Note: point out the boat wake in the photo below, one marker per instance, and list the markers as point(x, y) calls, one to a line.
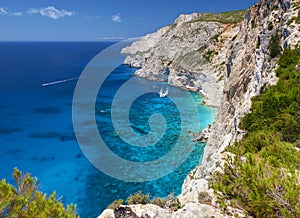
point(59, 81)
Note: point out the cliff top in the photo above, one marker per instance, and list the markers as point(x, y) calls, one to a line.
point(222, 18)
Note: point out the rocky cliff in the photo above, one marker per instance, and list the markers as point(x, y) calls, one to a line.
point(182, 54)
point(229, 63)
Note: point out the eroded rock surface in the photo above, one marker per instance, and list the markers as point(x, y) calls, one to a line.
point(229, 64)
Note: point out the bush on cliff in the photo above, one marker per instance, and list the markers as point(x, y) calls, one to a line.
point(170, 202)
point(274, 45)
point(26, 201)
point(263, 178)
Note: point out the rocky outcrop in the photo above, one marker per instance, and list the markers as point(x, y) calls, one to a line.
point(249, 68)
point(237, 69)
point(181, 54)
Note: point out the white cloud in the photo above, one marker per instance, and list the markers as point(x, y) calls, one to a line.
point(51, 12)
point(3, 11)
point(113, 38)
point(116, 18)
point(17, 13)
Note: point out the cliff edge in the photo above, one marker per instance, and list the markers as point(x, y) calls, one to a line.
point(229, 63)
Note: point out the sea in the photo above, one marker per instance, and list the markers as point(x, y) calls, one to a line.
point(37, 133)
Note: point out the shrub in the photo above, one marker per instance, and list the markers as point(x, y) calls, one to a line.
point(138, 198)
point(263, 178)
point(224, 17)
point(170, 202)
point(208, 55)
point(26, 201)
point(204, 198)
point(270, 26)
point(260, 188)
point(274, 45)
point(116, 204)
point(161, 202)
point(258, 42)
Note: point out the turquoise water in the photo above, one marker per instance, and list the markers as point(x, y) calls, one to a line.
point(37, 136)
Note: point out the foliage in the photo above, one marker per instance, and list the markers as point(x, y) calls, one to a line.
point(170, 202)
point(161, 202)
point(260, 188)
point(296, 19)
point(208, 56)
point(26, 201)
point(224, 17)
point(263, 177)
point(116, 204)
point(253, 24)
point(204, 198)
point(258, 42)
point(270, 26)
point(138, 198)
point(216, 37)
point(274, 45)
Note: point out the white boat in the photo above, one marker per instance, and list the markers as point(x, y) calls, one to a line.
point(163, 94)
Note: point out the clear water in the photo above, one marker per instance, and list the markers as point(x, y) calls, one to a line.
point(36, 132)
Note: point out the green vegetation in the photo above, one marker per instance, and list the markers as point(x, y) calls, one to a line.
point(224, 17)
point(253, 23)
point(270, 26)
point(170, 202)
point(263, 177)
point(204, 198)
point(216, 37)
point(258, 42)
point(138, 198)
point(26, 201)
point(209, 54)
point(274, 45)
point(296, 19)
point(116, 204)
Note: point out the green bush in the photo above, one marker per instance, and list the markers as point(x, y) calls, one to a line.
point(277, 109)
point(270, 26)
point(204, 198)
point(264, 176)
point(170, 202)
point(274, 45)
point(26, 201)
point(258, 42)
point(224, 17)
point(138, 198)
point(161, 202)
point(260, 188)
point(116, 204)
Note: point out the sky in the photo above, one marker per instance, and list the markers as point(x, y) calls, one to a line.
point(90, 20)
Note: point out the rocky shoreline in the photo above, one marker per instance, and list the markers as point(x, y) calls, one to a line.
point(228, 64)
point(179, 54)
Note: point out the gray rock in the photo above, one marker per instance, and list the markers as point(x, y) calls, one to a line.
point(178, 54)
point(229, 80)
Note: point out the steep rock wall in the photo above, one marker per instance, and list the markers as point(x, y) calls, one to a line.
point(249, 68)
point(241, 67)
point(181, 54)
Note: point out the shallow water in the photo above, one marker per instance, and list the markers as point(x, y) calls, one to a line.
point(37, 136)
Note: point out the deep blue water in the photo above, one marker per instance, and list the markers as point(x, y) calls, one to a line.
point(37, 136)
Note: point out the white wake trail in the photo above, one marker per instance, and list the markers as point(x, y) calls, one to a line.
point(59, 81)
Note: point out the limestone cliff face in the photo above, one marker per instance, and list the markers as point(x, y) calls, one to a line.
point(239, 65)
point(180, 55)
point(249, 67)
